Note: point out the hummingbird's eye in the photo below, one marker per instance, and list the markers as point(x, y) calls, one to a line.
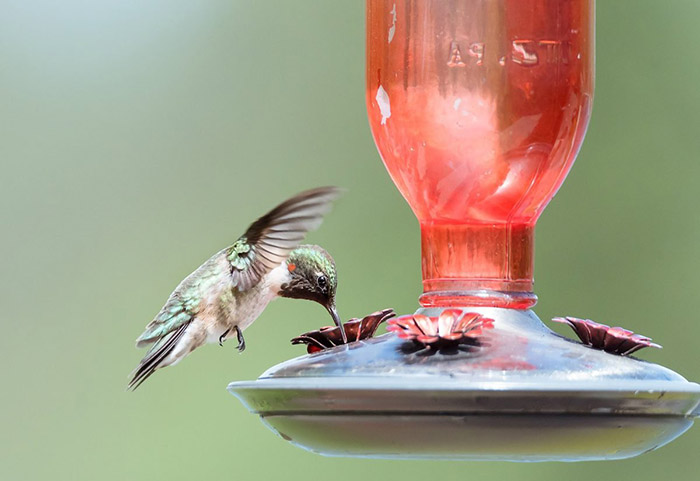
point(322, 282)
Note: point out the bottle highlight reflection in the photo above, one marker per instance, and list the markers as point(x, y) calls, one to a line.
point(478, 109)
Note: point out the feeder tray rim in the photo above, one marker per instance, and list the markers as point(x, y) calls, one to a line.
point(443, 398)
point(381, 383)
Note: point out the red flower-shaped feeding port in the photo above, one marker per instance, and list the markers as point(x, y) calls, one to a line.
point(614, 340)
point(355, 330)
point(451, 328)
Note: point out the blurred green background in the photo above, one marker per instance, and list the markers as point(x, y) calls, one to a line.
point(139, 137)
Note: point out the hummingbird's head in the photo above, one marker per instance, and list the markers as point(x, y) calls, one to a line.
point(312, 276)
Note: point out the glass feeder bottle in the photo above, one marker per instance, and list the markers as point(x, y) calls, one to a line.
point(478, 109)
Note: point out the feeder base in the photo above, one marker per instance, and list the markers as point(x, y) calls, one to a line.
point(523, 394)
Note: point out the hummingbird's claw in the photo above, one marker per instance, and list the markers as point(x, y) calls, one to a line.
point(222, 337)
point(241, 341)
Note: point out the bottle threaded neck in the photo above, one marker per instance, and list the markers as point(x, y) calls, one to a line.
point(477, 264)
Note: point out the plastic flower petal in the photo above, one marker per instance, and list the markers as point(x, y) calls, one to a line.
point(355, 330)
point(450, 328)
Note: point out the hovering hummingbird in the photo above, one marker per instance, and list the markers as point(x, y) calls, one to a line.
point(231, 289)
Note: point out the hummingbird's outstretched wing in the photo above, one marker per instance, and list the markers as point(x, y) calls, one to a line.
point(270, 239)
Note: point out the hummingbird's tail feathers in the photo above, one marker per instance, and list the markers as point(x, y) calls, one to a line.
point(270, 239)
point(154, 358)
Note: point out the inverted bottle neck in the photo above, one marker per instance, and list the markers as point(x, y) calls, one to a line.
point(475, 264)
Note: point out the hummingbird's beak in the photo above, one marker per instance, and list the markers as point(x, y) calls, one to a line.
point(336, 318)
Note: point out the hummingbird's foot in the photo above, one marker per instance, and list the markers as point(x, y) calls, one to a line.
point(241, 341)
point(222, 337)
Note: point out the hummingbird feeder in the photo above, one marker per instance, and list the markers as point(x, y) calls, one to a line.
point(478, 109)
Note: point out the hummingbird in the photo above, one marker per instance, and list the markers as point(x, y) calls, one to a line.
point(229, 291)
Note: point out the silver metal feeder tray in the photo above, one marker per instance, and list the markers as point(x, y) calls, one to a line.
point(524, 394)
